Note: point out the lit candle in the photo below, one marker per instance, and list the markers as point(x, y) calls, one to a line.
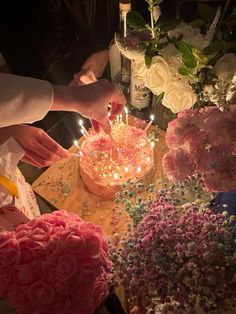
point(152, 145)
point(84, 134)
point(148, 158)
point(126, 116)
point(116, 176)
point(82, 127)
point(152, 117)
point(138, 169)
point(76, 143)
point(126, 169)
point(78, 148)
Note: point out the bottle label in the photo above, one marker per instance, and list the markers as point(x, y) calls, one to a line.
point(140, 96)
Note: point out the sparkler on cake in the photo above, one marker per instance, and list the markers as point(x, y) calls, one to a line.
point(108, 162)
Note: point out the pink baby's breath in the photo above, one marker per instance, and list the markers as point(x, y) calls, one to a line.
point(178, 256)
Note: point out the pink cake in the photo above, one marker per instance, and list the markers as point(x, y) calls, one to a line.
point(108, 162)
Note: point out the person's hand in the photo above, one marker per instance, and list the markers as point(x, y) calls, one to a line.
point(40, 149)
point(91, 101)
point(96, 63)
point(84, 77)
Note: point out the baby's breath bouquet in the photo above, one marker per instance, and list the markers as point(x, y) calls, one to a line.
point(184, 64)
point(177, 257)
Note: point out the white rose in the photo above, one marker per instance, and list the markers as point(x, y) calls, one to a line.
point(169, 51)
point(226, 66)
point(158, 75)
point(190, 34)
point(179, 96)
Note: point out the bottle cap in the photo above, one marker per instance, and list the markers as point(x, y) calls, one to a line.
point(125, 5)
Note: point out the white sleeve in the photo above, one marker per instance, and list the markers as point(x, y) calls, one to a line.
point(23, 99)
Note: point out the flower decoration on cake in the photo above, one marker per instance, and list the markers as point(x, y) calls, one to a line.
point(177, 257)
point(203, 142)
point(56, 263)
point(108, 161)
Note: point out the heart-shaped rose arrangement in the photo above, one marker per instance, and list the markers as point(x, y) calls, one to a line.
point(55, 263)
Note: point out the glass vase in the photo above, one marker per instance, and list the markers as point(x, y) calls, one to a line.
point(162, 114)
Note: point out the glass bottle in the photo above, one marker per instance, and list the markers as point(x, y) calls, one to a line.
point(140, 95)
point(119, 65)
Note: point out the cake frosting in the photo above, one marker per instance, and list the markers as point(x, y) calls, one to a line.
point(108, 162)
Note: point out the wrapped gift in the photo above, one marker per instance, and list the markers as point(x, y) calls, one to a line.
point(17, 200)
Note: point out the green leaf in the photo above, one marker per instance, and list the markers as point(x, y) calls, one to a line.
point(188, 58)
point(183, 71)
point(148, 57)
point(206, 12)
point(135, 20)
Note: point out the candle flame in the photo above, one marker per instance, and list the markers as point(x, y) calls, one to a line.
point(148, 158)
point(152, 117)
point(81, 122)
point(139, 169)
point(152, 144)
point(126, 110)
point(116, 176)
point(126, 169)
point(76, 143)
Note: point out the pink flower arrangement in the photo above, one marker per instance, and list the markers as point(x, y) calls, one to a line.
point(203, 142)
point(179, 257)
point(56, 263)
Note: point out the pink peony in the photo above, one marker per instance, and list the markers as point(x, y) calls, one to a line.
point(58, 262)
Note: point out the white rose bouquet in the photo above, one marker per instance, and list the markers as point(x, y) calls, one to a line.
point(185, 65)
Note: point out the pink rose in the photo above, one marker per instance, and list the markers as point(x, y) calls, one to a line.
point(52, 258)
point(25, 274)
point(75, 244)
point(66, 268)
point(93, 244)
point(41, 293)
point(63, 306)
point(19, 300)
point(177, 165)
point(7, 279)
point(9, 252)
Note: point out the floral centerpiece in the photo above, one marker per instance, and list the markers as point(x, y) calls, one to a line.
point(184, 65)
point(56, 263)
point(203, 142)
point(178, 257)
